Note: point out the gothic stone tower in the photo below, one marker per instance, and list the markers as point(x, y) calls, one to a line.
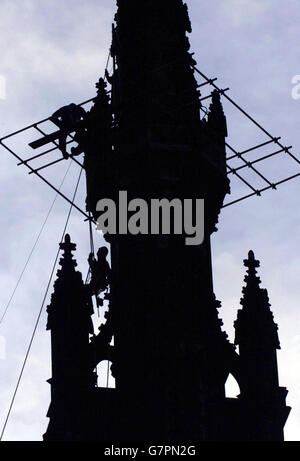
point(256, 335)
point(170, 357)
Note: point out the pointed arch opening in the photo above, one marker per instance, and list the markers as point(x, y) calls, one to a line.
point(232, 389)
point(105, 378)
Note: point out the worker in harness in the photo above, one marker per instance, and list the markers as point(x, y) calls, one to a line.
point(68, 118)
point(100, 271)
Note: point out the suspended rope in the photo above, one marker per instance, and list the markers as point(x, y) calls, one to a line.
point(92, 246)
point(34, 246)
point(91, 236)
point(106, 67)
point(40, 313)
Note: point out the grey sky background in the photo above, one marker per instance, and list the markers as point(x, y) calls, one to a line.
point(52, 53)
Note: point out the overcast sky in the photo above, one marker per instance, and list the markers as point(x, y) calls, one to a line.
point(52, 53)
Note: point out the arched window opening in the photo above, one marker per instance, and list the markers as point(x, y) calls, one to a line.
point(232, 389)
point(105, 378)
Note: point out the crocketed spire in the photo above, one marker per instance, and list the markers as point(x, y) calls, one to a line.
point(69, 288)
point(255, 326)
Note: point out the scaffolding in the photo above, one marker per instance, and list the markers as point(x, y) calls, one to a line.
point(250, 173)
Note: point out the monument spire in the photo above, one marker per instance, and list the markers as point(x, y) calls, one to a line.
point(255, 325)
point(170, 357)
point(69, 320)
point(257, 337)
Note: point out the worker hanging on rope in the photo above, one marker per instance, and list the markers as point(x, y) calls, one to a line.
point(100, 272)
point(70, 118)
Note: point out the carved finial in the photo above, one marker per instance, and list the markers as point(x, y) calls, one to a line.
point(102, 98)
point(101, 86)
point(216, 114)
point(251, 262)
point(215, 97)
point(216, 108)
point(67, 245)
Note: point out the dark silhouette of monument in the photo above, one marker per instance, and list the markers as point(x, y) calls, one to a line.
point(170, 357)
